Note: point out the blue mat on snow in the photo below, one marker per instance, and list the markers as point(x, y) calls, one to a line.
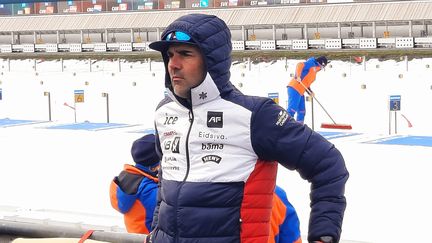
point(147, 131)
point(89, 126)
point(405, 140)
point(333, 135)
point(6, 122)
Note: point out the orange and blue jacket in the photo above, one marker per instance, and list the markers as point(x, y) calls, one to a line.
point(306, 72)
point(134, 194)
point(284, 223)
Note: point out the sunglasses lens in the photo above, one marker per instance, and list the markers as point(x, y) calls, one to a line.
point(178, 35)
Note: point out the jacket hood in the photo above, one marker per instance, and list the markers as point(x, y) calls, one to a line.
point(213, 38)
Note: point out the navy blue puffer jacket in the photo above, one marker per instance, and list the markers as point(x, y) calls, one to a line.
point(218, 166)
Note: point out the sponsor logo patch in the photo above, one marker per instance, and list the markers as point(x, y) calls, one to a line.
point(282, 117)
point(172, 145)
point(169, 133)
point(211, 158)
point(211, 136)
point(170, 159)
point(170, 120)
point(171, 168)
point(215, 119)
point(212, 146)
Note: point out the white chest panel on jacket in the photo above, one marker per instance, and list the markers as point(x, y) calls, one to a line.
point(212, 145)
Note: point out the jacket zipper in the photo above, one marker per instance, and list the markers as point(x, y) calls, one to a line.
point(191, 119)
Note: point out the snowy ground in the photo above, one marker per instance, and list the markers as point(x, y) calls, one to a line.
point(65, 174)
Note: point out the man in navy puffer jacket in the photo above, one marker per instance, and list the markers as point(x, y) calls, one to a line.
point(219, 147)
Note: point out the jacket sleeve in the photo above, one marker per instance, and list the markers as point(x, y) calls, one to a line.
point(276, 136)
point(121, 200)
point(299, 69)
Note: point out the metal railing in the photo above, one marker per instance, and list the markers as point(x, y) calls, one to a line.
point(42, 230)
point(296, 44)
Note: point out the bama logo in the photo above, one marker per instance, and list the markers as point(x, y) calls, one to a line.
point(212, 146)
point(211, 158)
point(215, 119)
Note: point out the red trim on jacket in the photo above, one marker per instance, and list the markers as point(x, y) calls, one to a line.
point(257, 203)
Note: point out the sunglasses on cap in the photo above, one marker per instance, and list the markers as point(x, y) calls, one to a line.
point(178, 36)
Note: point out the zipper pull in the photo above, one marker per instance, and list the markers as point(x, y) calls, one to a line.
point(190, 117)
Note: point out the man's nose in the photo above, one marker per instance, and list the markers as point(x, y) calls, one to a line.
point(174, 62)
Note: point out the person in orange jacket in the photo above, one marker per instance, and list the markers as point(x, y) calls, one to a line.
point(304, 76)
point(134, 191)
point(284, 222)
